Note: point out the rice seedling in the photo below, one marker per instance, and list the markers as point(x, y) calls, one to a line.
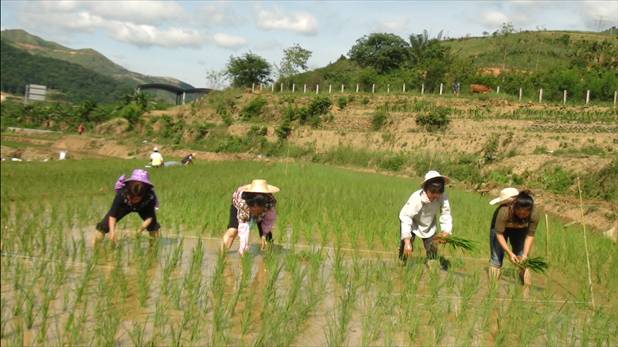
point(461, 243)
point(536, 264)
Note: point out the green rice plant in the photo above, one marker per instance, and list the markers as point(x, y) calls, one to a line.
point(336, 330)
point(536, 264)
point(137, 333)
point(456, 242)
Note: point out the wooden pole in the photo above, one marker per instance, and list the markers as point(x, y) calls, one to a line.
point(252, 87)
point(293, 87)
point(547, 236)
point(403, 89)
point(422, 88)
point(521, 93)
point(388, 89)
point(281, 88)
point(498, 90)
point(581, 209)
point(317, 88)
point(564, 97)
point(441, 87)
point(330, 88)
point(304, 88)
point(373, 88)
point(272, 88)
point(540, 95)
point(587, 96)
point(615, 97)
point(342, 88)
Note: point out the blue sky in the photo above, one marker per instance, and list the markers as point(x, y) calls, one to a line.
point(186, 39)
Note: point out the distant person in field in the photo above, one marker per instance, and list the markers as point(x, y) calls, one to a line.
point(251, 203)
point(156, 159)
point(188, 159)
point(514, 221)
point(80, 128)
point(135, 194)
point(418, 217)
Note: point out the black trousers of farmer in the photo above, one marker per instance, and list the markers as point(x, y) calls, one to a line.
point(233, 223)
point(431, 250)
point(103, 225)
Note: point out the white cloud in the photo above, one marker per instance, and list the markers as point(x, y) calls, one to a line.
point(229, 41)
point(123, 21)
point(147, 35)
point(301, 22)
point(140, 12)
point(493, 19)
point(393, 25)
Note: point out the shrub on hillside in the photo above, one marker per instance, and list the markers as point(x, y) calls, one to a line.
point(342, 102)
point(253, 109)
point(379, 119)
point(320, 105)
point(284, 129)
point(435, 119)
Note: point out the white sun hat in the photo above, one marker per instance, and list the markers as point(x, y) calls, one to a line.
point(259, 186)
point(434, 174)
point(505, 194)
point(156, 149)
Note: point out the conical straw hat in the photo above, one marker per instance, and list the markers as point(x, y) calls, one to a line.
point(259, 186)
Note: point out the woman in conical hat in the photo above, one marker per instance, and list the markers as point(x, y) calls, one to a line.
point(253, 202)
point(135, 194)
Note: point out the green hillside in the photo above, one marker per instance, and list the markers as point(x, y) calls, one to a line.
point(75, 82)
point(87, 58)
point(554, 61)
point(530, 50)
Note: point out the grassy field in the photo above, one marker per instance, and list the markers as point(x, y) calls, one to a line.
point(332, 277)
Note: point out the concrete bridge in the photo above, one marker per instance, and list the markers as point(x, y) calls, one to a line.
point(181, 93)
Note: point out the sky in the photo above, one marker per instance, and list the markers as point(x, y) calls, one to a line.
point(188, 39)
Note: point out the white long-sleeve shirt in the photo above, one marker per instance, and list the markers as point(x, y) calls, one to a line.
point(418, 215)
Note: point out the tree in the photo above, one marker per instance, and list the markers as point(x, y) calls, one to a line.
point(382, 51)
point(216, 79)
point(248, 69)
point(294, 60)
point(423, 48)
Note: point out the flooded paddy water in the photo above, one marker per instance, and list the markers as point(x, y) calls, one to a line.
point(331, 278)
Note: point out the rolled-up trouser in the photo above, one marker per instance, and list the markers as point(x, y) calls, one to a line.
point(516, 237)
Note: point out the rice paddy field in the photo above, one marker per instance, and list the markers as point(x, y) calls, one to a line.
point(331, 278)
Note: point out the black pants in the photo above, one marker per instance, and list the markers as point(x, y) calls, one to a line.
point(431, 250)
point(517, 239)
point(233, 223)
point(103, 225)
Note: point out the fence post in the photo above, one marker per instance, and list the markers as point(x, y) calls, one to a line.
point(498, 90)
point(540, 95)
point(441, 88)
point(304, 88)
point(281, 87)
point(403, 89)
point(342, 87)
point(422, 88)
point(252, 87)
point(330, 88)
point(261, 85)
point(564, 97)
point(615, 97)
point(293, 87)
point(356, 87)
point(388, 89)
point(587, 96)
point(317, 89)
point(373, 88)
point(272, 88)
point(520, 94)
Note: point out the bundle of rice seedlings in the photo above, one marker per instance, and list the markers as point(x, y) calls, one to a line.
point(458, 243)
point(536, 264)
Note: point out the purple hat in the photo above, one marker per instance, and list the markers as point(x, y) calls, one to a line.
point(140, 176)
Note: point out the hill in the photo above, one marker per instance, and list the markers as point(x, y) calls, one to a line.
point(73, 81)
point(87, 58)
point(528, 50)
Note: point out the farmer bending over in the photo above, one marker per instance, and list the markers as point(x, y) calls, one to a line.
point(251, 203)
point(135, 194)
point(418, 216)
point(514, 220)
